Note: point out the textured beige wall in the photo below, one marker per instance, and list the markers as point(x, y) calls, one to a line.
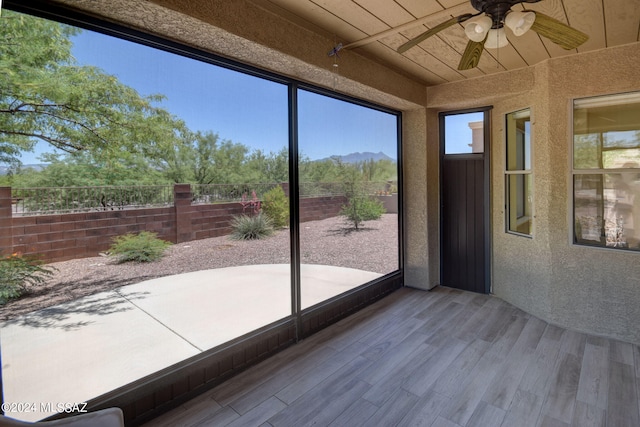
point(248, 32)
point(418, 273)
point(587, 289)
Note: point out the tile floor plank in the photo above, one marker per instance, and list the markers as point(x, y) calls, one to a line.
point(542, 370)
point(443, 358)
point(621, 352)
point(259, 414)
point(505, 384)
point(425, 412)
point(340, 389)
point(486, 415)
point(395, 408)
point(593, 387)
point(356, 415)
point(449, 383)
point(464, 404)
point(524, 409)
point(561, 398)
point(588, 416)
point(622, 410)
point(318, 374)
point(429, 369)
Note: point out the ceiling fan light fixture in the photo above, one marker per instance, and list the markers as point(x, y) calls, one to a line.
point(496, 38)
point(519, 22)
point(476, 28)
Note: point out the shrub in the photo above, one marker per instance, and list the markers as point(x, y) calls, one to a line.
point(361, 207)
point(276, 206)
point(142, 247)
point(18, 272)
point(251, 227)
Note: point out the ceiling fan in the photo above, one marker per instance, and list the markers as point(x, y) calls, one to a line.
point(486, 29)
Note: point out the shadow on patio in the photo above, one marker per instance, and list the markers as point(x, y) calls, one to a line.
point(81, 349)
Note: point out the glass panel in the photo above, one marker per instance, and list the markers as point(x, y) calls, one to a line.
point(519, 189)
point(607, 132)
point(348, 196)
point(140, 116)
point(519, 141)
point(607, 209)
point(464, 133)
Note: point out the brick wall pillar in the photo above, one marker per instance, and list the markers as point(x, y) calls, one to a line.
point(285, 188)
point(182, 200)
point(6, 222)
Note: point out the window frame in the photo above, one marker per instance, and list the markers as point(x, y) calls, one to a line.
point(518, 172)
point(575, 172)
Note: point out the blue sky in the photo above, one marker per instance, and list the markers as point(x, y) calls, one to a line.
point(238, 107)
point(458, 134)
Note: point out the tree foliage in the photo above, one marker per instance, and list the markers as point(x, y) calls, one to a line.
point(360, 206)
point(45, 95)
point(110, 134)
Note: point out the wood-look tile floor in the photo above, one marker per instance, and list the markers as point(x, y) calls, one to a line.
point(443, 358)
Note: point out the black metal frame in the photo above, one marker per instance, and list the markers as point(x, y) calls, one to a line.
point(148, 397)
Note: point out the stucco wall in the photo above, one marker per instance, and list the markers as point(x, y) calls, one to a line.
point(584, 288)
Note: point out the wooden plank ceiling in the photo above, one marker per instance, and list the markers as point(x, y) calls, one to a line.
point(607, 23)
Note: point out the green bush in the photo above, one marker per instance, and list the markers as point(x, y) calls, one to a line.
point(18, 272)
point(276, 206)
point(142, 247)
point(361, 208)
point(254, 227)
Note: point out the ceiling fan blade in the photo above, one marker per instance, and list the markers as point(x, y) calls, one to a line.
point(422, 37)
point(561, 34)
point(471, 55)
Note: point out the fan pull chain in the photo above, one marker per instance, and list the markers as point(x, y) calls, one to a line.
point(334, 53)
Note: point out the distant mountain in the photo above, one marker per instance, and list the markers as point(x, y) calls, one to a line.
point(5, 169)
point(360, 157)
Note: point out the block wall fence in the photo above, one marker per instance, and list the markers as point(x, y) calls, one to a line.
point(62, 237)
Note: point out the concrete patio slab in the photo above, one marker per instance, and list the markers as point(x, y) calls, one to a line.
point(82, 349)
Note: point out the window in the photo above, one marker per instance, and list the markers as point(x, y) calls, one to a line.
point(606, 171)
point(464, 133)
point(355, 158)
point(220, 136)
point(518, 177)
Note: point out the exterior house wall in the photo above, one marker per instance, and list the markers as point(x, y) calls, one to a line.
point(584, 288)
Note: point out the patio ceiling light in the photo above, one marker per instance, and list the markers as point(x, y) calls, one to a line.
point(519, 22)
point(483, 28)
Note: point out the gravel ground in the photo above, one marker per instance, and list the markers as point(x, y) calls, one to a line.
point(329, 242)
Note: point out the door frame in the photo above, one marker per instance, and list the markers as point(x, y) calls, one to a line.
point(486, 186)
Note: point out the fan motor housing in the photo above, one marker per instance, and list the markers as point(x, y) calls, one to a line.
point(497, 9)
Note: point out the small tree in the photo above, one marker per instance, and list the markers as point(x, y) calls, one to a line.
point(360, 206)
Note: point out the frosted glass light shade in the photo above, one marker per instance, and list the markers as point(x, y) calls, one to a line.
point(476, 28)
point(496, 38)
point(519, 22)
